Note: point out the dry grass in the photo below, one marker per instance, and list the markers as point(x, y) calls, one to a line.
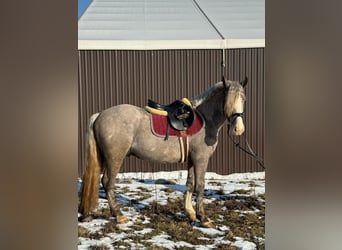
point(98, 247)
point(83, 232)
point(242, 213)
point(215, 183)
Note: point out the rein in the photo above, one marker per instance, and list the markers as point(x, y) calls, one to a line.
point(249, 151)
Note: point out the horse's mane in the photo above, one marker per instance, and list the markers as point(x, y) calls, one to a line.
point(235, 90)
point(198, 100)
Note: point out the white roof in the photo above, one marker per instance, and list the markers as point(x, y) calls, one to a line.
point(176, 24)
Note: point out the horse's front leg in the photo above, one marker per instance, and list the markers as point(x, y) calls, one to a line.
point(200, 170)
point(190, 184)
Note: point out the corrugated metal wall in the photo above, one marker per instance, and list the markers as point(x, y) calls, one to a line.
point(108, 78)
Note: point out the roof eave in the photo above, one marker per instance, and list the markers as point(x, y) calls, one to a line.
point(169, 44)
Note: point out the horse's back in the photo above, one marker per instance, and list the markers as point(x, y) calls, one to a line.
point(118, 124)
point(123, 113)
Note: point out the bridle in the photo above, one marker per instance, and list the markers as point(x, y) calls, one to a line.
point(231, 119)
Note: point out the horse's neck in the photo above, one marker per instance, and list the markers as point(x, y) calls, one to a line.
point(213, 111)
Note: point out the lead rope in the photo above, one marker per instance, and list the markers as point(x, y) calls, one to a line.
point(249, 152)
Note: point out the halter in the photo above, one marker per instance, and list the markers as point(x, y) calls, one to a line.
point(231, 119)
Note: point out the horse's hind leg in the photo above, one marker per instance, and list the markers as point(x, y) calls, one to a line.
point(188, 196)
point(108, 182)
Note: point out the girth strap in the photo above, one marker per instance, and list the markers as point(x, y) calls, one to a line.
point(184, 147)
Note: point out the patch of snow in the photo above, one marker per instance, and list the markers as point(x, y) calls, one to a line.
point(116, 237)
point(209, 231)
point(204, 238)
point(162, 240)
point(182, 174)
point(86, 243)
point(242, 244)
point(223, 228)
point(144, 231)
point(176, 175)
point(235, 177)
point(94, 225)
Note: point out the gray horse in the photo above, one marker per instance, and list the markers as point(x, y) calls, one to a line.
point(124, 130)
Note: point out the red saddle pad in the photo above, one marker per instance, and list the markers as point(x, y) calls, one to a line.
point(159, 126)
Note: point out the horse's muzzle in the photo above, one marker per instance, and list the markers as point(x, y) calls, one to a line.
point(236, 127)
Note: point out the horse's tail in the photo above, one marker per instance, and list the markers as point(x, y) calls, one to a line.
point(91, 176)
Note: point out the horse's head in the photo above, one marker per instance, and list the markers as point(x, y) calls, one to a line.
point(234, 105)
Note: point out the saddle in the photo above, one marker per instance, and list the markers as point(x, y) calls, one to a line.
point(180, 114)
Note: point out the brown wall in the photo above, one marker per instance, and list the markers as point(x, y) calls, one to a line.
point(108, 78)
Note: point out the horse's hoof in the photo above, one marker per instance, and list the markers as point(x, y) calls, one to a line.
point(207, 224)
point(193, 218)
point(121, 219)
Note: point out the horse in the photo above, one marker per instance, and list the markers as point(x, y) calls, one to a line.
point(125, 130)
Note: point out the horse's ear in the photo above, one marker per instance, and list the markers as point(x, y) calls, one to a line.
point(244, 82)
point(225, 84)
